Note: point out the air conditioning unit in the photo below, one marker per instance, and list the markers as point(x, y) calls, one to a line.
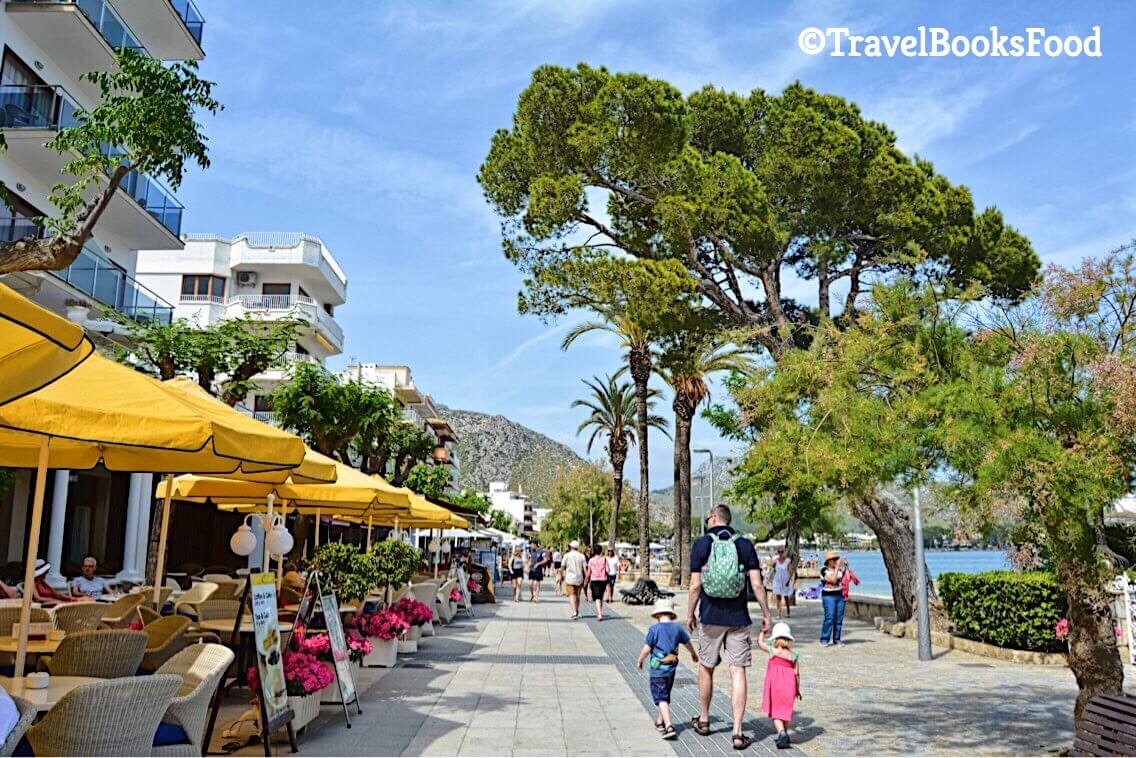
point(246, 278)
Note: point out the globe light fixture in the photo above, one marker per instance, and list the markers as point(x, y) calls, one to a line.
point(276, 537)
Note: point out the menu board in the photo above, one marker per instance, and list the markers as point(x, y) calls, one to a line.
point(339, 652)
point(269, 662)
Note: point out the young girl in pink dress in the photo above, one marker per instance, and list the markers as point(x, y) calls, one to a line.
point(782, 680)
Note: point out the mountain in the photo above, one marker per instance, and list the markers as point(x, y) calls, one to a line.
point(662, 500)
point(495, 449)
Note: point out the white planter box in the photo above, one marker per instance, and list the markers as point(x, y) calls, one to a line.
point(428, 628)
point(453, 608)
point(305, 708)
point(407, 646)
point(414, 634)
point(383, 653)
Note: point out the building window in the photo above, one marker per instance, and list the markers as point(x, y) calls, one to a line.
point(300, 349)
point(276, 289)
point(301, 292)
point(328, 309)
point(202, 286)
point(14, 72)
point(262, 403)
point(16, 221)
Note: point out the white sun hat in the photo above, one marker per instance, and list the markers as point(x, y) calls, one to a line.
point(781, 631)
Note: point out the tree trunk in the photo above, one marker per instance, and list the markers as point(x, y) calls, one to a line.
point(683, 414)
point(617, 461)
point(155, 537)
point(890, 521)
point(1093, 655)
point(793, 543)
point(641, 375)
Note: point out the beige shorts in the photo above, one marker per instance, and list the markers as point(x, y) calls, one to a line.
point(737, 641)
point(572, 590)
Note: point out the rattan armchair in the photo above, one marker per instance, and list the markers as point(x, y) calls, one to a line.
point(122, 612)
point(201, 668)
point(28, 713)
point(105, 653)
point(189, 600)
point(116, 717)
point(10, 614)
point(443, 598)
point(79, 617)
point(147, 593)
point(165, 636)
point(228, 589)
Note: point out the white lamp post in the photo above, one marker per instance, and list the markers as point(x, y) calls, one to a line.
point(701, 510)
point(277, 540)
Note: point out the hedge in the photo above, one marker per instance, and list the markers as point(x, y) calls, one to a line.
point(1005, 608)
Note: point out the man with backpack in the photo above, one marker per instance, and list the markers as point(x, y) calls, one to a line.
point(722, 563)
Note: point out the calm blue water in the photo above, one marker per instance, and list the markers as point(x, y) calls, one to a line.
point(869, 566)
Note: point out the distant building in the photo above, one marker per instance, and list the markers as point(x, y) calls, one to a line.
point(418, 408)
point(524, 513)
point(267, 276)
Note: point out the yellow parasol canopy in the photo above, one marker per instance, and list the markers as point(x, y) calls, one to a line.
point(36, 345)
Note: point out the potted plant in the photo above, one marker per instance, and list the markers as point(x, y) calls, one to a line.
point(417, 614)
point(455, 598)
point(353, 573)
point(358, 647)
point(395, 562)
point(304, 677)
point(78, 311)
point(383, 628)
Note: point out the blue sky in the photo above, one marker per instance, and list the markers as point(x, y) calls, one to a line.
point(364, 123)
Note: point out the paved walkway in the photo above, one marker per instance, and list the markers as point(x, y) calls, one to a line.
point(526, 680)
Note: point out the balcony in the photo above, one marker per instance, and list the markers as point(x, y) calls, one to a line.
point(78, 35)
point(267, 417)
point(170, 29)
point(300, 306)
point(31, 115)
point(94, 275)
point(201, 299)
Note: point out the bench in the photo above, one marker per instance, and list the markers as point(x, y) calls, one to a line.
point(639, 594)
point(1107, 727)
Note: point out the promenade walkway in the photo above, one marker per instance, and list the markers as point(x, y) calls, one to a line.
point(526, 680)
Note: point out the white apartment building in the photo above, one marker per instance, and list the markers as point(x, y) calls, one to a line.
point(47, 46)
point(516, 504)
point(271, 275)
point(418, 408)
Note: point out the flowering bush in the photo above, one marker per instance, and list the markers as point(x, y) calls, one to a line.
point(304, 674)
point(358, 646)
point(1061, 629)
point(455, 595)
point(318, 645)
point(386, 625)
point(414, 611)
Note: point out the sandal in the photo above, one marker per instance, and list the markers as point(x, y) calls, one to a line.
point(660, 727)
point(741, 742)
point(702, 727)
point(669, 733)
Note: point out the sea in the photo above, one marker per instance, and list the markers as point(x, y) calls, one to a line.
point(869, 566)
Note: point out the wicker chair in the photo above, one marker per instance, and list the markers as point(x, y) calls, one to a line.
point(117, 717)
point(443, 598)
point(147, 593)
point(79, 617)
point(201, 668)
point(28, 713)
point(218, 609)
point(196, 594)
point(148, 615)
point(228, 589)
point(165, 636)
point(10, 614)
point(122, 612)
point(106, 653)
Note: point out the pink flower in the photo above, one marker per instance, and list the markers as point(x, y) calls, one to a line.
point(385, 625)
point(318, 645)
point(414, 611)
point(1061, 629)
point(472, 585)
point(303, 675)
point(455, 595)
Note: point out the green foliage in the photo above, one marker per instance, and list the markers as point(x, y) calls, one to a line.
point(577, 493)
point(354, 573)
point(612, 415)
point(429, 480)
point(502, 520)
point(1005, 608)
point(327, 412)
point(734, 191)
point(395, 562)
point(474, 500)
point(237, 349)
point(7, 481)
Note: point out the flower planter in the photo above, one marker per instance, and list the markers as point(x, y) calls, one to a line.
point(305, 708)
point(415, 633)
point(453, 608)
point(383, 653)
point(409, 642)
point(428, 628)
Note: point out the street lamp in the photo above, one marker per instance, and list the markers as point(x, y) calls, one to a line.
point(277, 540)
point(922, 613)
point(701, 512)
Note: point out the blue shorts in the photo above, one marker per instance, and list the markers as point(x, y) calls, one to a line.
point(661, 688)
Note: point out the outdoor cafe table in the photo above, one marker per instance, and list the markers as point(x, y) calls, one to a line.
point(224, 627)
point(35, 647)
point(46, 698)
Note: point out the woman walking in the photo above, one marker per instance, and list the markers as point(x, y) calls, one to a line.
point(832, 597)
point(783, 582)
point(558, 571)
point(517, 573)
point(597, 579)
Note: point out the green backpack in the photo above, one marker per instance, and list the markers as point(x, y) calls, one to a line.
point(724, 576)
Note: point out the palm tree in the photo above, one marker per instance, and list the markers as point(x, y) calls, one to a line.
point(612, 407)
point(640, 362)
point(689, 359)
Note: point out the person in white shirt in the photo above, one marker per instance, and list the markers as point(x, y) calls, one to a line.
point(89, 585)
point(574, 567)
point(612, 573)
point(9, 715)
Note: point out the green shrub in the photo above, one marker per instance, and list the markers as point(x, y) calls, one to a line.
point(395, 562)
point(353, 573)
point(1005, 608)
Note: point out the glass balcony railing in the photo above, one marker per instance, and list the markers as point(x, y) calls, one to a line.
point(43, 106)
point(103, 17)
point(156, 199)
point(193, 19)
point(94, 275)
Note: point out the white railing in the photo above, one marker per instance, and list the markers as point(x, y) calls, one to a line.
point(267, 417)
point(290, 358)
point(329, 325)
point(214, 299)
point(271, 302)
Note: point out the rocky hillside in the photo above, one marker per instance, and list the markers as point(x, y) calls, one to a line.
point(663, 499)
point(495, 449)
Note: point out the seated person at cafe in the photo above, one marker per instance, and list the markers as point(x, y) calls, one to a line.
point(88, 584)
point(7, 592)
point(42, 592)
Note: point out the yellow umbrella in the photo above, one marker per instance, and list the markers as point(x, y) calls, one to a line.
point(101, 411)
point(36, 345)
point(350, 489)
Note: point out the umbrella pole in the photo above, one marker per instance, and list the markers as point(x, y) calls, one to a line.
point(370, 523)
point(437, 551)
point(317, 542)
point(159, 572)
point(266, 561)
point(29, 569)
